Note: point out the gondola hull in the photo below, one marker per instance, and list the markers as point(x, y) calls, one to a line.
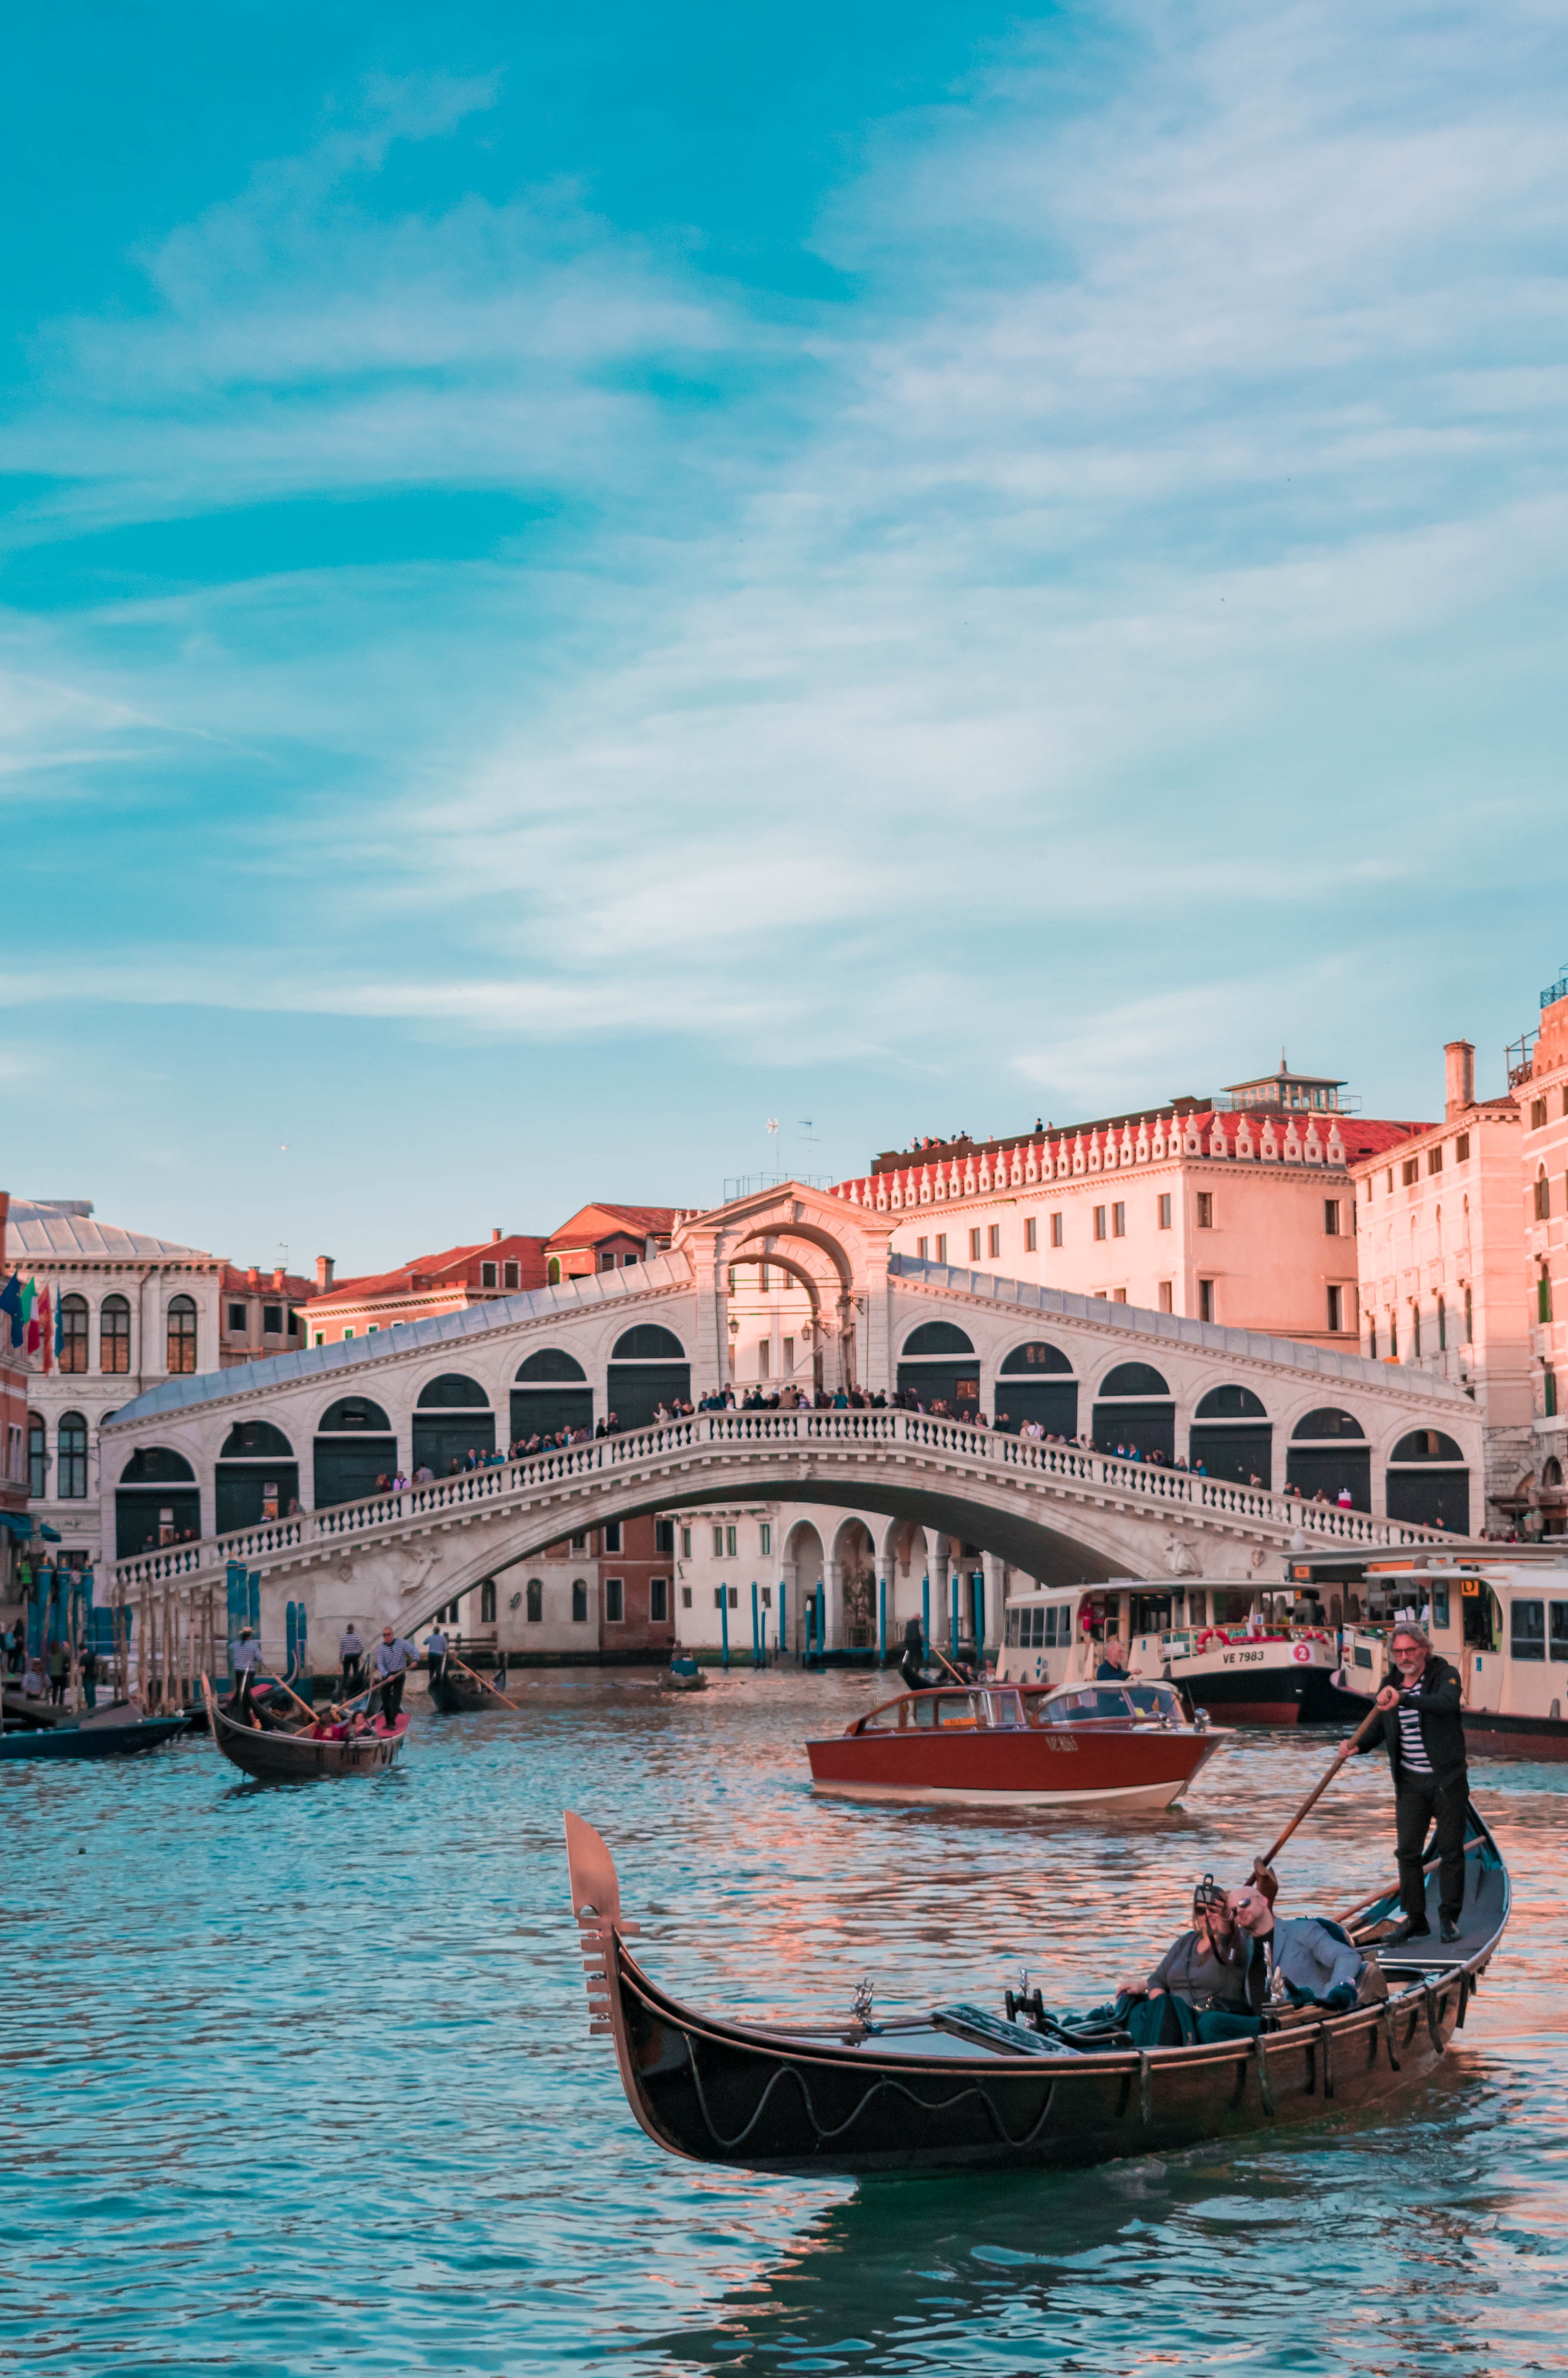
point(300, 1758)
point(91, 1741)
point(846, 2099)
point(453, 1693)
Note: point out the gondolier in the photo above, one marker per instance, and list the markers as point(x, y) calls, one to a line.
point(244, 1658)
point(435, 1648)
point(351, 1655)
point(394, 1657)
point(1424, 1733)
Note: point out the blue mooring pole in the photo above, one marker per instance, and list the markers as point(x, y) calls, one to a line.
point(979, 1616)
point(784, 1626)
point(952, 1611)
point(925, 1611)
point(756, 1639)
point(882, 1621)
point(724, 1624)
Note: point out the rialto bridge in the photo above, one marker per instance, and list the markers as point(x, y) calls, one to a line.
point(185, 1465)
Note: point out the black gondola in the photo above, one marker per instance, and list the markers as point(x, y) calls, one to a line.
point(964, 2086)
point(453, 1690)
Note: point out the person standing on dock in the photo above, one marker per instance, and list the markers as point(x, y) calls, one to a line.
point(1424, 1734)
point(88, 1665)
point(59, 1673)
point(351, 1655)
point(394, 1657)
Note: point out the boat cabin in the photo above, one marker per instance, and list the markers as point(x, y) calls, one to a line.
point(989, 1707)
point(1502, 1625)
point(1054, 1634)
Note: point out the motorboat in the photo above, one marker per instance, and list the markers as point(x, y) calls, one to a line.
point(1261, 1654)
point(967, 2083)
point(1502, 1624)
point(1018, 1745)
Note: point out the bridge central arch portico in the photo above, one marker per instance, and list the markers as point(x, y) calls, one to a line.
point(1048, 1509)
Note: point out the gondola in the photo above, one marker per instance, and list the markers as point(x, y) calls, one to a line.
point(291, 1756)
point(964, 2086)
point(453, 1691)
point(104, 1737)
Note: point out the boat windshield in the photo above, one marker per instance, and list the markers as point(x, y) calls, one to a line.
point(1086, 1702)
point(1155, 1701)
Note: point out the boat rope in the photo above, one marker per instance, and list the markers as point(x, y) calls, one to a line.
point(883, 2084)
point(1388, 2032)
point(1260, 2054)
point(1434, 2017)
point(1145, 2087)
point(1325, 2041)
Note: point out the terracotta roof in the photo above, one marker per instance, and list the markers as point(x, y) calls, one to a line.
point(640, 1222)
point(292, 1284)
point(445, 1269)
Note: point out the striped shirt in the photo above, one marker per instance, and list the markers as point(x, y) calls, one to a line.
point(1412, 1749)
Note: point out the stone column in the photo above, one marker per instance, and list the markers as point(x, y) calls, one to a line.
point(940, 1586)
point(996, 1596)
point(833, 1587)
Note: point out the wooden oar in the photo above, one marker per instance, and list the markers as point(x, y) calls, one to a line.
point(1263, 1875)
point(483, 1687)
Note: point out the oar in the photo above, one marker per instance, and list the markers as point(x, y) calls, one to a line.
point(483, 1687)
point(1263, 1875)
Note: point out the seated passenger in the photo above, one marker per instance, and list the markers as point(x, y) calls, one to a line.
point(1209, 1985)
point(1308, 1960)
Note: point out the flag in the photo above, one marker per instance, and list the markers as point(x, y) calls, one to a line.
point(59, 1329)
point(30, 1315)
point(45, 1329)
point(11, 1307)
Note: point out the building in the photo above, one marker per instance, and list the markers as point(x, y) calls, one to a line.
point(604, 1597)
point(131, 1310)
point(1538, 1074)
point(16, 1527)
point(427, 1285)
point(1237, 1209)
point(607, 1237)
point(1441, 1241)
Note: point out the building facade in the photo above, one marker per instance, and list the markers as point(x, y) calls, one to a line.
point(1240, 1211)
point(449, 1281)
point(1539, 1082)
point(16, 1526)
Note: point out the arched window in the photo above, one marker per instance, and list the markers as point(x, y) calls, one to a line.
point(938, 1366)
point(1415, 1330)
point(1134, 1410)
point(578, 1602)
point(551, 1363)
point(1133, 1380)
point(1327, 1421)
point(553, 1271)
point(1329, 1456)
point(1035, 1383)
point(1543, 1195)
point(155, 1465)
point(1470, 1319)
point(354, 1446)
point(453, 1426)
point(1230, 1403)
point(936, 1338)
point(648, 1343)
point(1543, 1294)
point(1427, 1483)
point(70, 1472)
point(114, 1336)
point(157, 1502)
point(181, 1337)
point(535, 1601)
point(487, 1603)
point(37, 1457)
point(253, 1440)
point(73, 1333)
point(1442, 1326)
point(353, 1416)
point(1551, 1472)
point(1427, 1444)
point(451, 1392)
point(1033, 1359)
point(1232, 1437)
point(551, 1392)
point(647, 1367)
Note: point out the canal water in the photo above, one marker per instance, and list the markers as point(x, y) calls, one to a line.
point(298, 2080)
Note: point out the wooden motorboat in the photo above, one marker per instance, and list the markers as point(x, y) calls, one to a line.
point(962, 2085)
point(1240, 1652)
point(297, 1754)
point(683, 1680)
point(104, 1734)
point(1009, 1745)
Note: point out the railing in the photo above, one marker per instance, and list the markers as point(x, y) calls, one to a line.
point(506, 1483)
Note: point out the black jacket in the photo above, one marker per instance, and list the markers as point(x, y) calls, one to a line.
point(1439, 1697)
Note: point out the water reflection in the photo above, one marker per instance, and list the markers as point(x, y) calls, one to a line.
point(299, 2081)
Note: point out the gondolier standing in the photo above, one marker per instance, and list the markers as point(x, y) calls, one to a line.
point(1425, 1736)
point(394, 1657)
point(244, 1657)
point(436, 1646)
point(351, 1652)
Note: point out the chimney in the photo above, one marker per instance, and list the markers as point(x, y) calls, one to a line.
point(1460, 1056)
point(253, 1278)
point(324, 1273)
point(495, 1238)
point(277, 1277)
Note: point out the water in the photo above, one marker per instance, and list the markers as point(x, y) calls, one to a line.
point(297, 2080)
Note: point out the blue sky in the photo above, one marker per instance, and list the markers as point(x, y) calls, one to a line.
point(568, 586)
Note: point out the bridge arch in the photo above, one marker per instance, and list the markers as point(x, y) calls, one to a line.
point(1134, 1407)
point(452, 1418)
point(647, 1367)
point(352, 1446)
point(550, 1392)
point(256, 1476)
point(1329, 1456)
point(1232, 1435)
point(1036, 1382)
point(157, 1501)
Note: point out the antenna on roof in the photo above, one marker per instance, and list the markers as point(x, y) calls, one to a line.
point(810, 1143)
point(774, 1150)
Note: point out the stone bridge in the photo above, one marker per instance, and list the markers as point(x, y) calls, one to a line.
point(1403, 1445)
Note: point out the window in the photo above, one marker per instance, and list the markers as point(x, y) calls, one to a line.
point(765, 1537)
point(1388, 1180)
point(1442, 1326)
point(1543, 1294)
point(664, 1535)
point(632, 1258)
point(510, 1275)
point(1461, 1149)
point(614, 1601)
point(318, 1337)
point(1528, 1632)
point(941, 1246)
point(1434, 1159)
point(1166, 1304)
point(237, 1320)
point(1415, 1332)
point(1409, 1171)
point(767, 1597)
point(1331, 1218)
point(1557, 1613)
point(271, 1320)
point(73, 1333)
point(1394, 1337)
point(1165, 1210)
point(605, 1261)
point(1543, 1196)
point(763, 1352)
point(536, 1601)
point(1056, 1230)
point(718, 1543)
point(1031, 1235)
point(37, 1457)
point(658, 1600)
point(580, 1602)
point(1335, 1303)
point(729, 1542)
point(993, 1239)
point(735, 1597)
point(1119, 1222)
point(612, 1535)
point(1538, 1114)
point(348, 1333)
point(487, 1603)
point(488, 1277)
point(114, 1336)
point(1099, 1221)
point(181, 1337)
point(1205, 1209)
point(70, 1472)
point(553, 1271)
point(1371, 1341)
point(923, 1248)
point(373, 1330)
point(1119, 1296)
point(1205, 1300)
point(973, 1246)
point(685, 1597)
point(1549, 1394)
point(686, 1544)
point(580, 1543)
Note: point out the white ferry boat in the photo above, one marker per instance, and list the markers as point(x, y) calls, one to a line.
point(1251, 1655)
point(1504, 1624)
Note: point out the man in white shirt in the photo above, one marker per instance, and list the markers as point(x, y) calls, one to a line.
point(244, 1658)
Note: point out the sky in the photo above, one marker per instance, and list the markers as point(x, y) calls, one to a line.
point(574, 587)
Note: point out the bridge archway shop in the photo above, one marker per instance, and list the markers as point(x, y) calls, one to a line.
point(1232, 1435)
point(550, 1392)
point(257, 1478)
point(939, 1364)
point(1035, 1383)
point(157, 1502)
point(648, 1368)
point(451, 1419)
point(1135, 1407)
point(1428, 1483)
point(1329, 1456)
point(355, 1445)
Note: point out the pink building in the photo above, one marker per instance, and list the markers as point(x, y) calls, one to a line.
point(1239, 1210)
point(1538, 1078)
point(1442, 1248)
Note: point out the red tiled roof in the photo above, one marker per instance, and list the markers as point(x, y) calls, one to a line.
point(292, 1284)
point(433, 1271)
point(639, 1221)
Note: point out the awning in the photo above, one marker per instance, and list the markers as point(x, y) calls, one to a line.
point(19, 1523)
point(49, 1535)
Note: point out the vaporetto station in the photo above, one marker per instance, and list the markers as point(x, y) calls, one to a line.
point(1402, 1444)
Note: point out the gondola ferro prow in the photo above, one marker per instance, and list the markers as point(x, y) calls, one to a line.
point(597, 1904)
